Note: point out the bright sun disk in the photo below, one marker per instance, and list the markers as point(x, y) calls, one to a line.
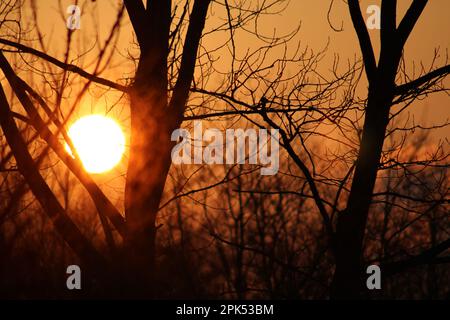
point(99, 142)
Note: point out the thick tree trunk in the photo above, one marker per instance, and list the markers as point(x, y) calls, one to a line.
point(348, 282)
point(149, 164)
point(153, 120)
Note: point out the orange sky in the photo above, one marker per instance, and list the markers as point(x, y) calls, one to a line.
point(430, 33)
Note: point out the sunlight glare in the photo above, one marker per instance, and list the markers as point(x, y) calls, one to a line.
point(99, 141)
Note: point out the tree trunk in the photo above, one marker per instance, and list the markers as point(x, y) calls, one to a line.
point(351, 224)
point(148, 166)
point(153, 120)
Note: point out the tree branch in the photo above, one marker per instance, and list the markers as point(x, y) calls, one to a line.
point(65, 66)
point(364, 39)
point(136, 12)
point(186, 73)
point(309, 178)
point(63, 224)
point(425, 257)
point(409, 20)
point(429, 77)
point(102, 203)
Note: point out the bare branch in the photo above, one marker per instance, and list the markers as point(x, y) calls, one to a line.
point(410, 19)
point(364, 39)
point(186, 73)
point(65, 66)
point(415, 85)
point(63, 224)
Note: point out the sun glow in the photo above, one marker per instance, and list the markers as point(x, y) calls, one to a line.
point(99, 142)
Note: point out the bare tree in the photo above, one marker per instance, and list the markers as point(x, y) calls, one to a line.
point(341, 182)
point(383, 93)
point(168, 39)
point(267, 220)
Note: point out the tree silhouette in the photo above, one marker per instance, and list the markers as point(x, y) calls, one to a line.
point(299, 110)
point(308, 232)
point(383, 90)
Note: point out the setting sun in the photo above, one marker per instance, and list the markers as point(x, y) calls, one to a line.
point(99, 142)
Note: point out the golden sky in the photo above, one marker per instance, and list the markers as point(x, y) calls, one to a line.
point(431, 32)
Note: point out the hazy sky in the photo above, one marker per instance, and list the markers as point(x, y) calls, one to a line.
point(432, 31)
